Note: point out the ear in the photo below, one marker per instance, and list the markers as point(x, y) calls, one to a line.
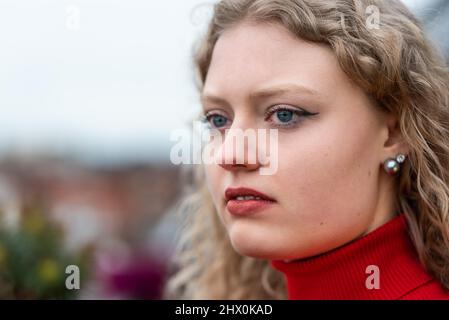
point(394, 142)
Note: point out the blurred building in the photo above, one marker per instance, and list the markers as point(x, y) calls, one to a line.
point(124, 201)
point(115, 210)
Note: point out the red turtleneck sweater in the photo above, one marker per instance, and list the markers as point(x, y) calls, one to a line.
point(342, 273)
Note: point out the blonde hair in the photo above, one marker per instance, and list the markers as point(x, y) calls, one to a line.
point(396, 66)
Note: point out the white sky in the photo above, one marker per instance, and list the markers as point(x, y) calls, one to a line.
point(119, 81)
point(116, 84)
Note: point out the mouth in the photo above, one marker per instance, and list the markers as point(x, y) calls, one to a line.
point(242, 194)
point(244, 201)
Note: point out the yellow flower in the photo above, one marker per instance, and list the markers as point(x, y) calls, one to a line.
point(48, 270)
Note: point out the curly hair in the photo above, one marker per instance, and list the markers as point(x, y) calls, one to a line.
point(401, 70)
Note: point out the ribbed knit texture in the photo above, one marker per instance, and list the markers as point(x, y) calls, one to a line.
point(341, 273)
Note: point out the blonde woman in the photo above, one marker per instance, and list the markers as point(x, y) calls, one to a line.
point(358, 206)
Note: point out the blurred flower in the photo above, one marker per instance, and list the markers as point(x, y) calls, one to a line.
point(49, 270)
point(140, 278)
point(33, 258)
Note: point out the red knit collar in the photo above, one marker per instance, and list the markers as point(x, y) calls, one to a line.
point(341, 273)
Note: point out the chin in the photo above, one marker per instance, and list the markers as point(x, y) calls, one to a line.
point(252, 244)
point(256, 242)
point(253, 252)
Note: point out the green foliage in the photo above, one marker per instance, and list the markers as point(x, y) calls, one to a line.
point(33, 259)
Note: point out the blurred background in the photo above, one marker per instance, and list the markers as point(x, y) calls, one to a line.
point(90, 91)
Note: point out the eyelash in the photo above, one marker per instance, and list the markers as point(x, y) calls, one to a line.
point(207, 118)
point(296, 111)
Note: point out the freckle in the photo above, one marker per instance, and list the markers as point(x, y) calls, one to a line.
point(369, 173)
point(321, 223)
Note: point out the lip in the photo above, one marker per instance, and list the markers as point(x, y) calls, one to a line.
point(246, 207)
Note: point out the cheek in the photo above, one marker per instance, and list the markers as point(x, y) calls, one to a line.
point(331, 170)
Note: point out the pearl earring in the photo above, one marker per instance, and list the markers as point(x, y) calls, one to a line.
point(392, 165)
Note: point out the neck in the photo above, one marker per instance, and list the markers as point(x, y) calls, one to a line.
point(380, 265)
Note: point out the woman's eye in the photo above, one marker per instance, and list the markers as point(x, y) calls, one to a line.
point(217, 120)
point(280, 116)
point(286, 117)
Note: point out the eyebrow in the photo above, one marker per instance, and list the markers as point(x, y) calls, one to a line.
point(265, 93)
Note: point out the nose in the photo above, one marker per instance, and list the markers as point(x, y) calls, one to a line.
point(238, 152)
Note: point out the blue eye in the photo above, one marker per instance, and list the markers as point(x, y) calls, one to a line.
point(284, 116)
point(217, 120)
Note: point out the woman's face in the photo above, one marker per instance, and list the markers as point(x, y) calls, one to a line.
point(328, 188)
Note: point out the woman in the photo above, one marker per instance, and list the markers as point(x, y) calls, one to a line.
point(358, 206)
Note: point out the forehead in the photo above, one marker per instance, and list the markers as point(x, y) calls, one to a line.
point(250, 55)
